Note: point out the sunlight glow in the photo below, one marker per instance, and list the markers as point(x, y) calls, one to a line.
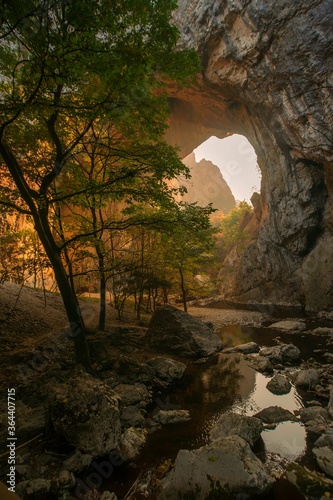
point(237, 161)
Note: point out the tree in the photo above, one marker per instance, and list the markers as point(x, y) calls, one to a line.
point(65, 65)
point(232, 227)
point(189, 244)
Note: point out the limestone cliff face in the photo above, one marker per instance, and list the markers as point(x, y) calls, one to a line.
point(268, 74)
point(207, 185)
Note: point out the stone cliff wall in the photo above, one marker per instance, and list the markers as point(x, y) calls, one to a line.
point(207, 185)
point(267, 74)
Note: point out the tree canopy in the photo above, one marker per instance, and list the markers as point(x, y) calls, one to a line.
point(69, 69)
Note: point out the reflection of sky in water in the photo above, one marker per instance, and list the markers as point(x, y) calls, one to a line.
point(288, 439)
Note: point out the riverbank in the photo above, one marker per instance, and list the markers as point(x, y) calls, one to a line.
point(38, 362)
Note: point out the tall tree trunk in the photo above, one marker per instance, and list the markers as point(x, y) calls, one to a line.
point(102, 290)
point(38, 206)
point(182, 285)
point(67, 293)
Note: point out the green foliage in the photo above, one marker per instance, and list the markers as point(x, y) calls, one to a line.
point(232, 227)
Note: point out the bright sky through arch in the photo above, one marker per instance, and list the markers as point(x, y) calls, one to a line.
point(237, 161)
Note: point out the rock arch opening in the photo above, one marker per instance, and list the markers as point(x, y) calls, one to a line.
point(237, 161)
point(267, 74)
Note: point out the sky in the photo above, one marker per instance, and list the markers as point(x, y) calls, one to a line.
point(237, 161)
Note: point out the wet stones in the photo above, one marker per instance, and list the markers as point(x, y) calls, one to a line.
point(248, 428)
point(131, 442)
point(248, 348)
point(289, 325)
point(226, 467)
point(324, 458)
point(171, 416)
point(282, 353)
point(167, 369)
point(275, 414)
point(308, 379)
point(279, 385)
point(176, 332)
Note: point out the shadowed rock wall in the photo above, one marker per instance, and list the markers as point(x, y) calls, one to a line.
point(267, 74)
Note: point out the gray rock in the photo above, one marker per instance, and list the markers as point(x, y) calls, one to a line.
point(171, 416)
point(136, 395)
point(290, 353)
point(325, 440)
point(131, 442)
point(274, 414)
point(248, 428)
point(132, 416)
point(35, 489)
point(108, 495)
point(279, 385)
point(323, 331)
point(281, 353)
point(78, 462)
point(66, 479)
point(324, 458)
point(131, 371)
point(167, 369)
point(311, 484)
point(261, 364)
point(248, 348)
point(316, 414)
point(176, 332)
point(289, 325)
point(85, 411)
point(330, 402)
point(227, 467)
point(307, 379)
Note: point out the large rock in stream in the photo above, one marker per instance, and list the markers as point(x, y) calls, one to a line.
point(248, 428)
point(224, 469)
point(175, 332)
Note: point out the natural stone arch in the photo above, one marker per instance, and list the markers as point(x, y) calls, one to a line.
point(267, 74)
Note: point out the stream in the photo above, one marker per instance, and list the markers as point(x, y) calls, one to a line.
point(226, 383)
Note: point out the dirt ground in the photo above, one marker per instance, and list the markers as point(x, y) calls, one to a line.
point(33, 328)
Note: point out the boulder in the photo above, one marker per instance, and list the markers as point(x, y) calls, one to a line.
point(311, 484)
point(36, 489)
point(282, 353)
point(223, 469)
point(248, 428)
point(171, 416)
point(323, 331)
point(136, 395)
point(131, 371)
point(66, 479)
point(325, 440)
point(175, 332)
point(279, 385)
point(330, 402)
point(78, 462)
point(261, 364)
point(167, 369)
point(289, 325)
point(248, 348)
point(85, 411)
point(132, 416)
point(275, 414)
point(307, 379)
point(324, 458)
point(290, 353)
point(131, 442)
point(316, 414)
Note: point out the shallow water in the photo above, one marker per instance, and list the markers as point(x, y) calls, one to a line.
point(226, 383)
